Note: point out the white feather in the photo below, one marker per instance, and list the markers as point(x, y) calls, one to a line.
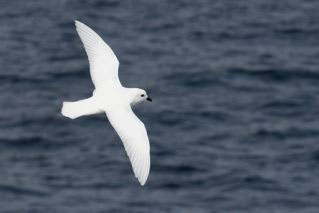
point(134, 137)
point(103, 62)
point(113, 99)
point(76, 109)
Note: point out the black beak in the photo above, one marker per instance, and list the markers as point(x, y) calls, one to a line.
point(148, 98)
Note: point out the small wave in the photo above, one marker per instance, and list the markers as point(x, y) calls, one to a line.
point(276, 74)
point(22, 190)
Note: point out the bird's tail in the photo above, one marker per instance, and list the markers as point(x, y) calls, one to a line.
point(79, 108)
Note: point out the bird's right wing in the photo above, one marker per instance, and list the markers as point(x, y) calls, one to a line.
point(103, 62)
point(134, 137)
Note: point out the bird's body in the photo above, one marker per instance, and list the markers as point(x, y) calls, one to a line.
point(111, 98)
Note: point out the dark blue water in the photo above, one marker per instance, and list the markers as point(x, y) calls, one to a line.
point(234, 125)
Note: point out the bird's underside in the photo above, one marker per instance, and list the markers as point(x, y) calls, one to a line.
point(104, 71)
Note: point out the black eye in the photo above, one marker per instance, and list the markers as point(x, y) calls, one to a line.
point(142, 95)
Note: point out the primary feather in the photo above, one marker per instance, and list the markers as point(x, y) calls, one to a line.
point(103, 62)
point(134, 137)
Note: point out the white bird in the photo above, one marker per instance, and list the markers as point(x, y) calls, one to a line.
point(111, 98)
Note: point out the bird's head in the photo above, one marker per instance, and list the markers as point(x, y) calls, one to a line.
point(139, 96)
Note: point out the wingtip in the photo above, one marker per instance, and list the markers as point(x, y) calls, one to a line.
point(142, 182)
point(77, 22)
point(142, 177)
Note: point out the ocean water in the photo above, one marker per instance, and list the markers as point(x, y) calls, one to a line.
point(233, 126)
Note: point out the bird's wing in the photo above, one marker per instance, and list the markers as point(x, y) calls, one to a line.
point(134, 137)
point(103, 62)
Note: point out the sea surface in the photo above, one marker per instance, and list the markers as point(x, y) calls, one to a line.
point(233, 126)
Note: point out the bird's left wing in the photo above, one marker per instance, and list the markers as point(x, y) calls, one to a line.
point(103, 62)
point(134, 137)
